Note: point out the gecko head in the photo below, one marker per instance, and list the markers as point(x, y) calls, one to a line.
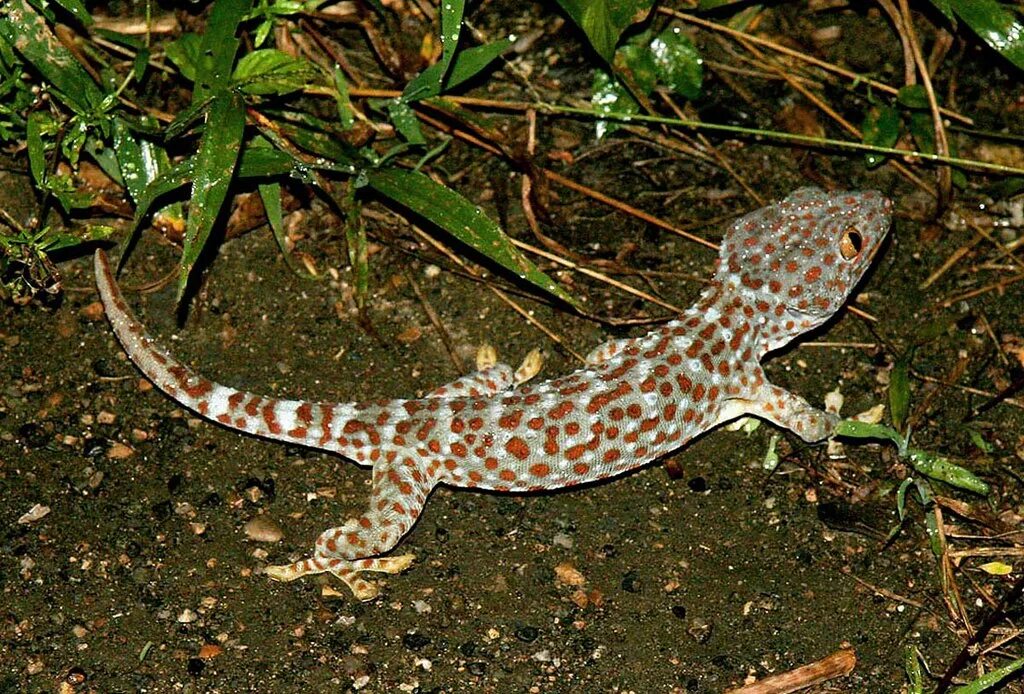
point(794, 263)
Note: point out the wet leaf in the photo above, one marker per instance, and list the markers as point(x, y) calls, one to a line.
point(461, 218)
point(345, 113)
point(429, 82)
point(603, 21)
point(77, 10)
point(679, 65)
point(218, 47)
point(213, 171)
point(913, 96)
point(912, 666)
point(899, 391)
point(901, 498)
point(185, 53)
point(270, 71)
point(355, 239)
point(996, 23)
point(863, 430)
point(470, 62)
point(942, 469)
point(608, 97)
point(990, 679)
point(404, 119)
point(27, 31)
point(881, 128)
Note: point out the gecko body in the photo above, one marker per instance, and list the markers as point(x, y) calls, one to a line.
point(782, 270)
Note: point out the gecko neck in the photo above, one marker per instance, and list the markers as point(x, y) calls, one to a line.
point(730, 315)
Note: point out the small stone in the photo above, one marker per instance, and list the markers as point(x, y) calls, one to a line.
point(569, 575)
point(93, 311)
point(105, 417)
point(415, 642)
point(527, 634)
point(208, 651)
point(120, 451)
point(262, 529)
point(37, 512)
point(187, 616)
point(431, 271)
point(409, 335)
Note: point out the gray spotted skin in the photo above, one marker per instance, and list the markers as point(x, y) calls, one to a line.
point(782, 270)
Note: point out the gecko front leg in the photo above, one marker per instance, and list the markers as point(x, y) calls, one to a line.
point(781, 408)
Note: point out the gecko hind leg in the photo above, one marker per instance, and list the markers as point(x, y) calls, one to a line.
point(399, 491)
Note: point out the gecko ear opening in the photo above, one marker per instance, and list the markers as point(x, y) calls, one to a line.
point(850, 244)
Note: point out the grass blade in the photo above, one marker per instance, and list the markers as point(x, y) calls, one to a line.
point(214, 169)
point(462, 219)
point(26, 30)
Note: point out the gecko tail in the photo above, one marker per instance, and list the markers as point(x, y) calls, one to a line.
point(294, 421)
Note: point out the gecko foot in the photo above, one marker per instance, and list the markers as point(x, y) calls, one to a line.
point(349, 571)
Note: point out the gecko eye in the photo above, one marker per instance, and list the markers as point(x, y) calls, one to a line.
point(850, 244)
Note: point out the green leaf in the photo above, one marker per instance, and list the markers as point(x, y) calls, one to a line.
point(603, 21)
point(136, 161)
point(270, 71)
point(270, 195)
point(899, 391)
point(862, 430)
point(213, 170)
point(186, 118)
point(405, 122)
point(185, 52)
point(607, 97)
point(218, 47)
point(901, 498)
point(635, 64)
point(77, 10)
point(345, 112)
point(36, 147)
point(464, 220)
point(978, 440)
point(990, 679)
point(336, 155)
point(922, 127)
point(678, 63)
point(881, 127)
point(997, 24)
point(470, 62)
point(355, 239)
point(429, 82)
point(912, 666)
point(264, 162)
point(22, 27)
point(913, 96)
point(164, 184)
point(941, 469)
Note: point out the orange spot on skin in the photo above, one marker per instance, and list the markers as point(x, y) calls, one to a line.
point(518, 448)
point(575, 452)
point(540, 470)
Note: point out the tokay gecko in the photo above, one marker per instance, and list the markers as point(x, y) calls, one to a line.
point(782, 270)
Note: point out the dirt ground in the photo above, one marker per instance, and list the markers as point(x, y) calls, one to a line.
point(684, 577)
